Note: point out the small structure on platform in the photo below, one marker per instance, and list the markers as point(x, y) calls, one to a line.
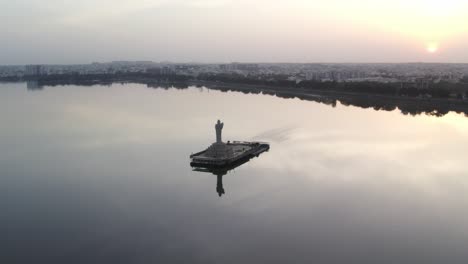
point(221, 154)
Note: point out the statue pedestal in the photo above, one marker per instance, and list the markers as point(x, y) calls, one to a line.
point(220, 151)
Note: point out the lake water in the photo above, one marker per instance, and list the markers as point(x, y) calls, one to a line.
point(101, 174)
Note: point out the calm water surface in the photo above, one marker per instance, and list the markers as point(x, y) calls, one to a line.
point(101, 175)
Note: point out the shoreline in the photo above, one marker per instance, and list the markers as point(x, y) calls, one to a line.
point(407, 104)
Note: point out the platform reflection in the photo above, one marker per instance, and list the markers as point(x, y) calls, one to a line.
point(220, 172)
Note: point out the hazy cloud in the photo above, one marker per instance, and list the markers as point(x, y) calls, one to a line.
point(227, 30)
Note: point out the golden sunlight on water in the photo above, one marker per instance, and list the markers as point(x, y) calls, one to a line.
point(453, 120)
point(116, 160)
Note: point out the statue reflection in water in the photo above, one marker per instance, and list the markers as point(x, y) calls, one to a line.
point(220, 172)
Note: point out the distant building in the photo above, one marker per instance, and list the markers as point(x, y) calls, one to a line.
point(34, 70)
point(246, 67)
point(161, 71)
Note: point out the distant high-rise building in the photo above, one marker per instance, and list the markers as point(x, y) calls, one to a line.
point(34, 70)
point(161, 71)
point(246, 67)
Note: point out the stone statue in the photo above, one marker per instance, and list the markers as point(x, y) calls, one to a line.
point(219, 127)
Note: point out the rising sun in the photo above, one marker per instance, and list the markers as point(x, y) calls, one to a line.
point(432, 47)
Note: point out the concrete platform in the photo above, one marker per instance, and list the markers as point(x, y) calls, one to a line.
point(238, 152)
point(221, 154)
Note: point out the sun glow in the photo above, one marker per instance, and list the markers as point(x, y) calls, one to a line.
point(435, 20)
point(440, 8)
point(432, 47)
point(424, 23)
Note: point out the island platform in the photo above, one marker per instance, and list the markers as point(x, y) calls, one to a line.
point(221, 154)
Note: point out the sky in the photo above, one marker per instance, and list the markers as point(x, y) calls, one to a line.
point(71, 31)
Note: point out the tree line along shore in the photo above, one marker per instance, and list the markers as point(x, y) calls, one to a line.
point(442, 90)
point(435, 99)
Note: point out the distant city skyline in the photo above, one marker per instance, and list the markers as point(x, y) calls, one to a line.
point(224, 31)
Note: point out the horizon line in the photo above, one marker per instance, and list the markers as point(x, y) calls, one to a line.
point(232, 62)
